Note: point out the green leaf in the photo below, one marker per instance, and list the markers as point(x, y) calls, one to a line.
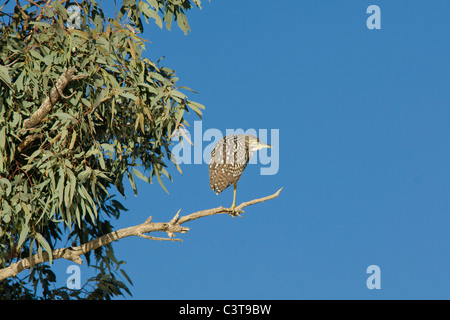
point(19, 81)
point(48, 12)
point(73, 182)
point(60, 8)
point(72, 141)
point(109, 148)
point(60, 186)
point(6, 213)
point(196, 107)
point(128, 95)
point(40, 24)
point(174, 160)
point(5, 182)
point(158, 175)
point(126, 276)
point(77, 216)
point(168, 17)
point(187, 88)
point(31, 253)
point(178, 94)
point(67, 195)
point(4, 76)
point(149, 13)
point(101, 160)
point(36, 55)
point(34, 155)
point(198, 3)
point(25, 208)
point(84, 175)
point(100, 98)
point(46, 246)
point(85, 195)
point(133, 184)
point(183, 23)
point(23, 234)
point(140, 175)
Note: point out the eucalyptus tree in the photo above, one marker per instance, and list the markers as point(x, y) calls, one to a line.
point(81, 106)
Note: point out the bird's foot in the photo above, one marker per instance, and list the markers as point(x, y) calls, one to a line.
point(235, 212)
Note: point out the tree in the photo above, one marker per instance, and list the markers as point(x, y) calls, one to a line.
point(80, 109)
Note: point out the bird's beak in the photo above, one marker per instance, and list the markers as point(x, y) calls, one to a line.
point(263, 145)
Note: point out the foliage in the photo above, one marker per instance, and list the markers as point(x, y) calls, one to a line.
point(60, 188)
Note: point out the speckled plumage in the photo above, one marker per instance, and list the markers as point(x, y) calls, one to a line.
point(229, 158)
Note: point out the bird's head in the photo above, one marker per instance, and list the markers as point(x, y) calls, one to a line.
point(255, 144)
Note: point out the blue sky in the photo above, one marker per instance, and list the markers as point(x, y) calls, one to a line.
point(363, 119)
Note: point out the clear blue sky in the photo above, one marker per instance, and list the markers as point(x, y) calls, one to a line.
point(363, 118)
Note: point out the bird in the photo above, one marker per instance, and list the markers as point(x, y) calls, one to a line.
point(229, 158)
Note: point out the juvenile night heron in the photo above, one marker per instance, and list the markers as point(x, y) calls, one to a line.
point(229, 158)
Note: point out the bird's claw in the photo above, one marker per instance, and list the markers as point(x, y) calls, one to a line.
point(235, 212)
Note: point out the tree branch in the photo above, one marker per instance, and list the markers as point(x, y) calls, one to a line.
point(47, 105)
point(50, 100)
point(171, 227)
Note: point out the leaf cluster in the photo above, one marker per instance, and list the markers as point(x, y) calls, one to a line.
point(120, 116)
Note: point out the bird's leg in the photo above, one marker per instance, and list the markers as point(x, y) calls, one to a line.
point(233, 205)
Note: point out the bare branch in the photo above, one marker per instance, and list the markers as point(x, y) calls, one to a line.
point(28, 140)
point(171, 227)
point(220, 210)
point(158, 238)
